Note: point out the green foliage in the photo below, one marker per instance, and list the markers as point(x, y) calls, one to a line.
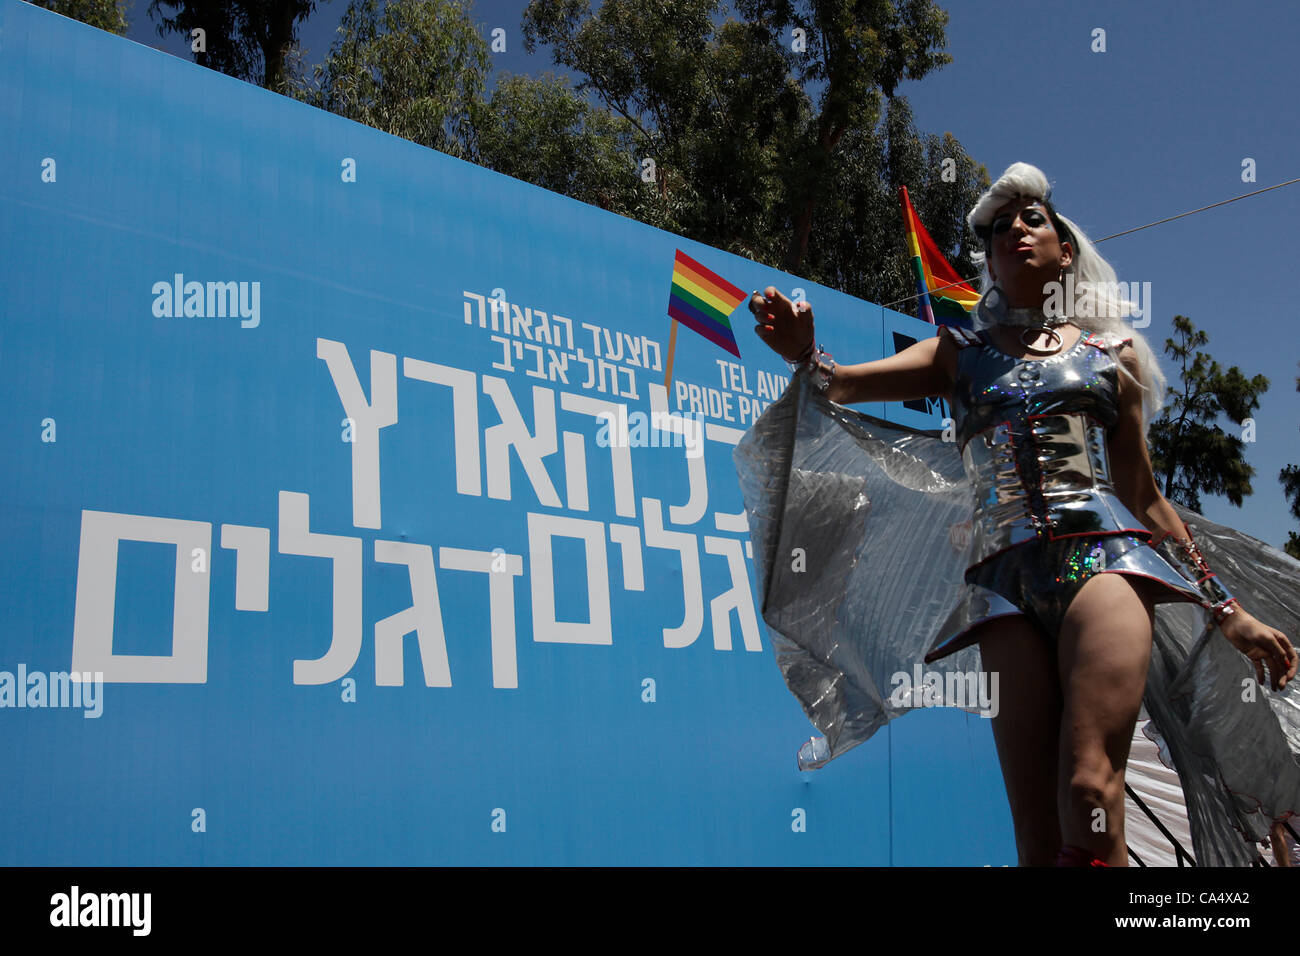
point(1190, 453)
point(251, 40)
point(858, 244)
point(540, 131)
point(699, 128)
point(744, 159)
point(415, 69)
point(1290, 478)
point(107, 15)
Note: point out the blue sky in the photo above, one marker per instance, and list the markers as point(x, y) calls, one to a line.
point(1156, 125)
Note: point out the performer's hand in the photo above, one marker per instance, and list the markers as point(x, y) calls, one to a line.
point(786, 327)
point(1262, 644)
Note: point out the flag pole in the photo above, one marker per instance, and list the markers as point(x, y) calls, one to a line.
point(668, 366)
point(923, 309)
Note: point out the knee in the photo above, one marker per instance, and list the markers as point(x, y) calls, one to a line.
point(1095, 789)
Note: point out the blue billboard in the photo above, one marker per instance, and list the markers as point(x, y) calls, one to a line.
point(353, 516)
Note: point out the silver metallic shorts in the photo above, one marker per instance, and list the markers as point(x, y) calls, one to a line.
point(1040, 579)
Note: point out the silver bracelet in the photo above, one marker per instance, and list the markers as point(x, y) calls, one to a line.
point(820, 365)
point(1186, 558)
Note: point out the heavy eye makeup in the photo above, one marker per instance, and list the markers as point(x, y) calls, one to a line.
point(1032, 216)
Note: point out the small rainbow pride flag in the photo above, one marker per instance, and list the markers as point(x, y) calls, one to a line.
point(952, 298)
point(703, 301)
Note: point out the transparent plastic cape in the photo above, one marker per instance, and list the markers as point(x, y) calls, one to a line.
point(860, 532)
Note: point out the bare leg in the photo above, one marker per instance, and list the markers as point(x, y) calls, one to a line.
point(1281, 848)
point(1026, 731)
point(1103, 653)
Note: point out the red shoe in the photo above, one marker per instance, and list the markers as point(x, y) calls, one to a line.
point(1074, 856)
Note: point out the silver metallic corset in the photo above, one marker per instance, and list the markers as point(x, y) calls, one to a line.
point(1033, 436)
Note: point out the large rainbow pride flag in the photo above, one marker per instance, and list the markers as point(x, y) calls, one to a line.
point(952, 297)
point(703, 301)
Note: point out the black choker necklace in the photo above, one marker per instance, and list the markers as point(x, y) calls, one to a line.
point(1031, 318)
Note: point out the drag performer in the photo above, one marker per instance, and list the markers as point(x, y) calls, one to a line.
point(1063, 545)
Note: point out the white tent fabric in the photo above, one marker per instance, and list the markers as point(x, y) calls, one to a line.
point(1158, 788)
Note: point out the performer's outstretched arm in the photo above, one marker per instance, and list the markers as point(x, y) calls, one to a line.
point(923, 370)
point(1135, 483)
